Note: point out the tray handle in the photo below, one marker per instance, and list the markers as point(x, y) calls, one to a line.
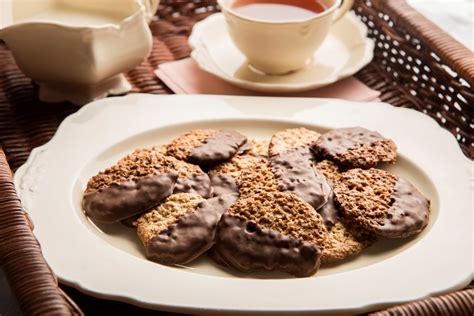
point(31, 279)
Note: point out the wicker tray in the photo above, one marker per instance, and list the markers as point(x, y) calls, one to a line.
point(416, 65)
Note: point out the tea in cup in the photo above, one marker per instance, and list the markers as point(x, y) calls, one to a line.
point(280, 36)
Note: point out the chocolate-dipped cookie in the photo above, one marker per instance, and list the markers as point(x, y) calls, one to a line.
point(271, 231)
point(355, 147)
point(138, 182)
point(206, 147)
point(182, 227)
point(291, 139)
point(382, 202)
point(329, 169)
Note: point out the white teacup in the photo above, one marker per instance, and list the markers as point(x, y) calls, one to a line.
point(279, 47)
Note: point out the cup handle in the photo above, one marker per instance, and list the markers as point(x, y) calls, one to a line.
point(345, 6)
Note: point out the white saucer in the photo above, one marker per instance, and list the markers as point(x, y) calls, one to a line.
point(344, 52)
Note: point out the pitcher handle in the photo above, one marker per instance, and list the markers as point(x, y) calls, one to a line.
point(345, 6)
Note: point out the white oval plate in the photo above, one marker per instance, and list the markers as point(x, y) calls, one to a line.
point(108, 261)
point(345, 51)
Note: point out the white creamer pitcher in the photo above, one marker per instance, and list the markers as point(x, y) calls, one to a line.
point(76, 50)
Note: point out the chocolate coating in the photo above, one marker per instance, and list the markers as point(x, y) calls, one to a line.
point(245, 246)
point(408, 214)
point(295, 173)
point(338, 141)
point(224, 184)
point(216, 257)
point(119, 201)
point(191, 235)
point(245, 148)
point(197, 183)
point(130, 220)
point(329, 212)
point(220, 146)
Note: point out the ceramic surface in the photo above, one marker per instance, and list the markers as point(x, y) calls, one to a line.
point(280, 47)
point(151, 6)
point(345, 51)
point(108, 260)
point(76, 50)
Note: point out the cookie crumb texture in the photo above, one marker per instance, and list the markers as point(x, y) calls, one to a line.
point(291, 139)
point(256, 178)
point(355, 147)
point(329, 169)
point(381, 202)
point(345, 240)
point(236, 165)
point(259, 147)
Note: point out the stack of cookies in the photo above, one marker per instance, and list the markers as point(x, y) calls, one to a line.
point(292, 203)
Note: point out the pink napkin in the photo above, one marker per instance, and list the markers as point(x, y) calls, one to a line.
point(185, 77)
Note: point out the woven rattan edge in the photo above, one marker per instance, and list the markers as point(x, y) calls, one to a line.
point(436, 39)
point(457, 303)
point(414, 66)
point(32, 282)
